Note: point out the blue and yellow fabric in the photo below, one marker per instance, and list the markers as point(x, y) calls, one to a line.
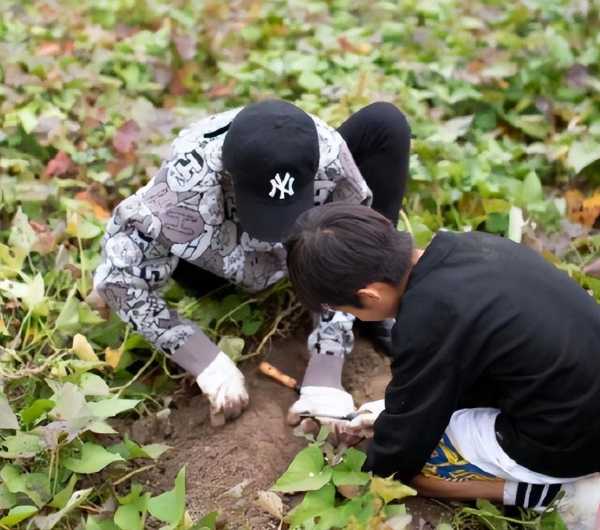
point(446, 463)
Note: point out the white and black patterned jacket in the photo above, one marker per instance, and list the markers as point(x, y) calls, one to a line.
point(187, 211)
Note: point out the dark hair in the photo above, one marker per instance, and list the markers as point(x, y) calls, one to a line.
point(336, 249)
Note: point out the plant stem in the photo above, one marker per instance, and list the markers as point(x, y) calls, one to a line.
point(233, 311)
point(477, 513)
point(406, 222)
point(133, 473)
point(82, 262)
point(120, 389)
point(272, 331)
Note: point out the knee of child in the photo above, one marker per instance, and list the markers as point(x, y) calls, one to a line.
point(391, 118)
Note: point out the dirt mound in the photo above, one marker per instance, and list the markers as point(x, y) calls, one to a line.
point(227, 465)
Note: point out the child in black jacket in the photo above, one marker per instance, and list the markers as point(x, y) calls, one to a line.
point(496, 368)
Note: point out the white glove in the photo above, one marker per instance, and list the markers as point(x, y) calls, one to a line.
point(223, 384)
point(325, 401)
point(362, 424)
point(321, 402)
point(580, 505)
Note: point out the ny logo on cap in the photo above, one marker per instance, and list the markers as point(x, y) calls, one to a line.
point(280, 185)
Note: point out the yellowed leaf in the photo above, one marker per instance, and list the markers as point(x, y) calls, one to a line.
point(583, 210)
point(112, 356)
point(389, 489)
point(591, 209)
point(72, 221)
point(361, 48)
point(99, 211)
point(83, 349)
point(574, 199)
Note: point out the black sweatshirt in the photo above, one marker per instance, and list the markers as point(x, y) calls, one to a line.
point(487, 322)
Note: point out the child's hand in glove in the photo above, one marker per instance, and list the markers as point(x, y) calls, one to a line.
point(325, 406)
point(362, 424)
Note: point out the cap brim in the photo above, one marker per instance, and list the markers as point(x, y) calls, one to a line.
point(269, 221)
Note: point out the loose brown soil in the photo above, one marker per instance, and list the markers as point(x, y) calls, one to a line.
point(227, 465)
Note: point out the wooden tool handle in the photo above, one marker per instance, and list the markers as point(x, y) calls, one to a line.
point(280, 377)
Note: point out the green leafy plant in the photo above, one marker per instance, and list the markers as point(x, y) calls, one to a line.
point(338, 494)
point(493, 518)
point(51, 461)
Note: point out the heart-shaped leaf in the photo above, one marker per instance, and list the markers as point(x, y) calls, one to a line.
point(314, 504)
point(16, 515)
point(170, 506)
point(583, 153)
point(108, 408)
point(61, 499)
point(93, 458)
point(35, 485)
point(128, 517)
point(94, 523)
point(8, 419)
point(7, 498)
point(93, 385)
point(21, 445)
point(348, 471)
point(129, 450)
point(305, 473)
point(37, 409)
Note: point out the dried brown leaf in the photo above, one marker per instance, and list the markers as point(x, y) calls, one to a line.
point(360, 48)
point(60, 165)
point(221, 91)
point(271, 503)
point(182, 78)
point(185, 45)
point(593, 268)
point(49, 48)
point(127, 136)
point(94, 203)
point(349, 491)
point(46, 240)
point(578, 76)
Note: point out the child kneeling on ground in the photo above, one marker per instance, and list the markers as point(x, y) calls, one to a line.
point(496, 359)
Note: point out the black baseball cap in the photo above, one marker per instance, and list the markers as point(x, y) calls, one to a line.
point(271, 151)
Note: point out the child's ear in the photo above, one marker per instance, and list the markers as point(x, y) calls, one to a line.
point(368, 294)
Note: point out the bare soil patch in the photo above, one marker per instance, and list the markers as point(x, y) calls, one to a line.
point(227, 465)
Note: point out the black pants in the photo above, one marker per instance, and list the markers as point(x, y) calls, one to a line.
point(378, 137)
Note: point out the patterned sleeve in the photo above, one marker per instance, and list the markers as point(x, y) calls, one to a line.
point(339, 179)
point(333, 334)
point(329, 344)
point(350, 185)
point(137, 261)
